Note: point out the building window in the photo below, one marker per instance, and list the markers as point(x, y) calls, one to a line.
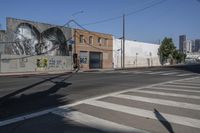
point(81, 39)
point(99, 40)
point(90, 40)
point(106, 42)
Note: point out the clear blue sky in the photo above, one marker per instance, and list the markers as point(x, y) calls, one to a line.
point(170, 18)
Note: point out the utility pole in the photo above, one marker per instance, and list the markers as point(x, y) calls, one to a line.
point(121, 53)
point(123, 37)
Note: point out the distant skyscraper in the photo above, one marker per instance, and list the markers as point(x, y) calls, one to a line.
point(182, 43)
point(193, 46)
point(188, 46)
point(197, 45)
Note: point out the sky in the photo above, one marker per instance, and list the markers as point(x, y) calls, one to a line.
point(148, 20)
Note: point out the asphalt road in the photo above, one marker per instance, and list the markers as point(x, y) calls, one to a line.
point(21, 95)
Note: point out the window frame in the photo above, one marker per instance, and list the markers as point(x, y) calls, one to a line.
point(90, 39)
point(81, 39)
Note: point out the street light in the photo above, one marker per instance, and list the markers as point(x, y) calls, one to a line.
point(121, 38)
point(136, 59)
point(118, 56)
point(151, 61)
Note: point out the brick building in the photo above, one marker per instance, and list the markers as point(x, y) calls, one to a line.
point(94, 50)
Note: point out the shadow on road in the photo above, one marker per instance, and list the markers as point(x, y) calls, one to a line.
point(18, 102)
point(190, 68)
point(52, 123)
point(163, 121)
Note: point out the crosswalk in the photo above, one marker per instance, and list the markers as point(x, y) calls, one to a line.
point(179, 73)
point(168, 107)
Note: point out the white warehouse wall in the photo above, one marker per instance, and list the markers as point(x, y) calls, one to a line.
point(137, 54)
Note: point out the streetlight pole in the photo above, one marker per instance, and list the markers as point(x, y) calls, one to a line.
point(121, 53)
point(74, 54)
point(136, 59)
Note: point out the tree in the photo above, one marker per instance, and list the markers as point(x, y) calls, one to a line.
point(166, 50)
point(180, 57)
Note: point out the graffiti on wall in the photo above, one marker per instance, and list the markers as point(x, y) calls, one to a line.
point(55, 63)
point(83, 57)
point(42, 63)
point(22, 62)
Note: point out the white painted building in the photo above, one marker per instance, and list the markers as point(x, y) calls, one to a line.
point(187, 48)
point(137, 54)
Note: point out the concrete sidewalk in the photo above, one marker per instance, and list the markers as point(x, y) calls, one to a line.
point(96, 70)
point(33, 73)
point(52, 72)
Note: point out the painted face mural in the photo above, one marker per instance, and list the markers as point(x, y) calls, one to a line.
point(28, 41)
point(54, 42)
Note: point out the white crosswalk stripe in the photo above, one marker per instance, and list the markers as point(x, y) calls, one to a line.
point(173, 89)
point(185, 74)
point(169, 94)
point(169, 73)
point(160, 101)
point(164, 73)
point(182, 86)
point(185, 83)
point(157, 72)
point(178, 73)
point(98, 123)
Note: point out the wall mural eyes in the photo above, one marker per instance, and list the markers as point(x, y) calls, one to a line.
point(26, 38)
point(30, 42)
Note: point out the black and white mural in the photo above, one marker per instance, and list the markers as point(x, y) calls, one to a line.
point(29, 41)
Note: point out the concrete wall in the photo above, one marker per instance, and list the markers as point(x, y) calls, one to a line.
point(137, 54)
point(17, 63)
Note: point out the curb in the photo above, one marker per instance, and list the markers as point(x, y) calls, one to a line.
point(33, 73)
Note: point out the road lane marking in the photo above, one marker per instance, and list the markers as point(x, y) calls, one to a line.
point(186, 74)
point(187, 84)
point(159, 72)
point(169, 73)
point(168, 94)
point(182, 86)
point(98, 123)
point(160, 101)
point(192, 81)
point(173, 89)
point(186, 121)
point(25, 117)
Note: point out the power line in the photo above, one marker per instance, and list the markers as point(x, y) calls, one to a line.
point(103, 21)
point(127, 14)
point(147, 7)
